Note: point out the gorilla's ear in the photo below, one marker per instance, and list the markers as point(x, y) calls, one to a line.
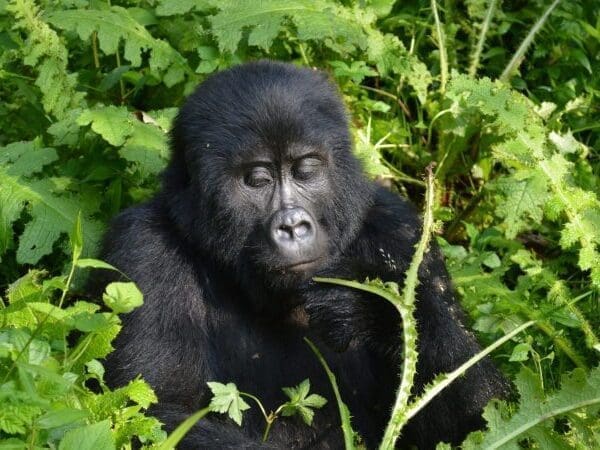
point(323, 75)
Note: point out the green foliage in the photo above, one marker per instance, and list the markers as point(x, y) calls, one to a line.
point(539, 414)
point(540, 182)
point(52, 209)
point(89, 90)
point(43, 50)
point(44, 380)
point(227, 399)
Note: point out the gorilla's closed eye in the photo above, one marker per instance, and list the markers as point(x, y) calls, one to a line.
point(258, 176)
point(306, 168)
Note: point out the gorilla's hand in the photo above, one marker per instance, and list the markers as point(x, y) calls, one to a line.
point(334, 313)
point(339, 314)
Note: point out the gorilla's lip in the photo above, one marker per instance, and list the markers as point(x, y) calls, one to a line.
point(302, 265)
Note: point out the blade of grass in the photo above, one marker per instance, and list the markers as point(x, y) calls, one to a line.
point(517, 58)
point(349, 433)
point(442, 46)
point(481, 41)
point(182, 429)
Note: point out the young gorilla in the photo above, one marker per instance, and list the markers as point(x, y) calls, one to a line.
point(263, 193)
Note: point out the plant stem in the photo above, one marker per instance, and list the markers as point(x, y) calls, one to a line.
point(442, 47)
point(406, 309)
point(258, 402)
point(268, 429)
point(269, 418)
point(517, 58)
point(484, 29)
point(95, 49)
point(439, 386)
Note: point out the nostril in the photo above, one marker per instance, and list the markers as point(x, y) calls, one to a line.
point(284, 231)
point(302, 229)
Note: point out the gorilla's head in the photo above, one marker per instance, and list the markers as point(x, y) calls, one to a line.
point(262, 178)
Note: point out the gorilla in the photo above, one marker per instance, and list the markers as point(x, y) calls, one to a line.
point(263, 193)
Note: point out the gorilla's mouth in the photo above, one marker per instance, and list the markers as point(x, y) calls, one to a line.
point(302, 266)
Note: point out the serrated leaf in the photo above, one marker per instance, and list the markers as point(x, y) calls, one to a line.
point(140, 392)
point(313, 20)
point(51, 215)
point(523, 197)
point(44, 50)
point(301, 403)
point(537, 412)
point(227, 400)
point(116, 25)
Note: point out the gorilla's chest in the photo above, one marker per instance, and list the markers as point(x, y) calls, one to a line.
point(261, 357)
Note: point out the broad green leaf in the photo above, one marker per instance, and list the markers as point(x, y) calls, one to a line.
point(537, 411)
point(60, 417)
point(115, 26)
point(51, 215)
point(313, 20)
point(227, 400)
point(113, 123)
point(91, 437)
point(122, 297)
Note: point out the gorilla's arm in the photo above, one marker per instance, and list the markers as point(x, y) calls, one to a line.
point(165, 339)
point(384, 249)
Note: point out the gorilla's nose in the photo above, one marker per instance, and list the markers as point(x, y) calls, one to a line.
point(292, 228)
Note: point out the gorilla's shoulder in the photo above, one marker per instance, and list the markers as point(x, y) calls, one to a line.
point(148, 217)
point(391, 214)
point(141, 237)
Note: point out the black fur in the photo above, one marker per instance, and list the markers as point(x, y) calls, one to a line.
point(218, 306)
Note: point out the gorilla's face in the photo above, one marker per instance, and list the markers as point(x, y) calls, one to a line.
point(286, 189)
point(262, 178)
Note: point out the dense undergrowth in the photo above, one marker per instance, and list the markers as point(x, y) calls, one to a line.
point(502, 95)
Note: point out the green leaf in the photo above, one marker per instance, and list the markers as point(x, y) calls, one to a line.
point(45, 51)
point(537, 412)
point(185, 426)
point(94, 263)
point(116, 25)
point(176, 7)
point(77, 238)
point(91, 437)
point(122, 297)
point(523, 196)
point(316, 20)
point(88, 322)
point(301, 403)
point(113, 123)
point(51, 215)
point(520, 352)
point(60, 417)
point(227, 400)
